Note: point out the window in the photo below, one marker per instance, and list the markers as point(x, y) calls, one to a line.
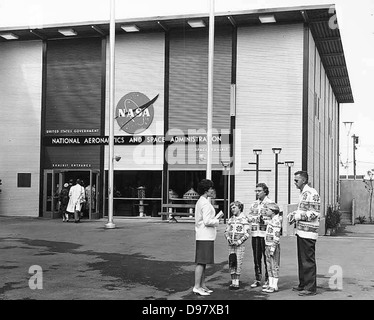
point(126, 192)
point(181, 182)
point(24, 180)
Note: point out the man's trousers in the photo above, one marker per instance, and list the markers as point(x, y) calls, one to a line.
point(306, 249)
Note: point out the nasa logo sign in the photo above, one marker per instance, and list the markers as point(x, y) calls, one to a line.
point(135, 112)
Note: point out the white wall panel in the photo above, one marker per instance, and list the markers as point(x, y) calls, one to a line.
point(20, 107)
point(269, 106)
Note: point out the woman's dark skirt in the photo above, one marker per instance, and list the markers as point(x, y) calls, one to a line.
point(204, 252)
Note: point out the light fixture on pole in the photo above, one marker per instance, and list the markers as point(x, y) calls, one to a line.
point(226, 171)
point(369, 187)
point(348, 126)
point(355, 141)
point(289, 164)
point(276, 151)
point(257, 152)
point(110, 224)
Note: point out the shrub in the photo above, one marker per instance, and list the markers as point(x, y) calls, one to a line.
point(333, 217)
point(361, 219)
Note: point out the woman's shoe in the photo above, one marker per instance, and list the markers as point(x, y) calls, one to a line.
point(207, 290)
point(200, 292)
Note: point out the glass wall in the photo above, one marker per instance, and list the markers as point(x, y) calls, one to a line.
point(132, 186)
point(181, 182)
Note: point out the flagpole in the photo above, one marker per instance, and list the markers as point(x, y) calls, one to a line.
point(210, 91)
point(112, 32)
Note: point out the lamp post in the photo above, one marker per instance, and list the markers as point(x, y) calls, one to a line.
point(348, 126)
point(369, 188)
point(276, 151)
point(289, 164)
point(225, 165)
point(257, 152)
point(355, 141)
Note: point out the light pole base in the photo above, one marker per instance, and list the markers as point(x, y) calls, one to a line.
point(110, 225)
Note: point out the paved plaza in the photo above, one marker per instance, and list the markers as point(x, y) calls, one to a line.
point(150, 259)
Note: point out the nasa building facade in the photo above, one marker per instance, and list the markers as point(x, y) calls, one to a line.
point(278, 84)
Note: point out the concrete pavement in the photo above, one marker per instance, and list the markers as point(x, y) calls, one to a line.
point(150, 259)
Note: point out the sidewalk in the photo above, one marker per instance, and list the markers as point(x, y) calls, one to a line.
point(151, 259)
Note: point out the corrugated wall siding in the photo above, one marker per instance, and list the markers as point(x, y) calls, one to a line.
point(269, 106)
point(189, 79)
point(323, 134)
point(188, 99)
point(73, 95)
point(21, 80)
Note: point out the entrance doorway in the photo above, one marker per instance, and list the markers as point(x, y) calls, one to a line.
point(52, 185)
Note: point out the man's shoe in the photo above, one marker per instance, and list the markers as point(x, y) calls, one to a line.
point(266, 284)
point(297, 288)
point(255, 284)
point(233, 287)
point(307, 293)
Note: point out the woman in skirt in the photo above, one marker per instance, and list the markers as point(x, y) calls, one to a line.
point(206, 223)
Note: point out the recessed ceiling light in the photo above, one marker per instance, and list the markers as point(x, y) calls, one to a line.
point(267, 18)
point(9, 36)
point(130, 28)
point(68, 32)
point(196, 23)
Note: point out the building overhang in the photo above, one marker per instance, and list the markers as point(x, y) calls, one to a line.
point(321, 20)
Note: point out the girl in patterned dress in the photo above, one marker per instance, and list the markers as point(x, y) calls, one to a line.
point(236, 233)
point(272, 245)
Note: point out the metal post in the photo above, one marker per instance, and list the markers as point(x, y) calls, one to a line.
point(276, 151)
point(257, 152)
point(225, 206)
point(210, 92)
point(348, 126)
point(289, 185)
point(289, 164)
point(355, 139)
point(225, 189)
point(110, 224)
point(257, 166)
point(276, 178)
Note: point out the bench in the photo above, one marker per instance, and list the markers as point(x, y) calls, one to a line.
point(173, 214)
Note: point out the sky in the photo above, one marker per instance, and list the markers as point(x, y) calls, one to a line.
point(356, 25)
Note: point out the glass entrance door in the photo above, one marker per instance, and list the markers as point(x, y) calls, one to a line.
point(92, 195)
point(51, 188)
point(53, 183)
